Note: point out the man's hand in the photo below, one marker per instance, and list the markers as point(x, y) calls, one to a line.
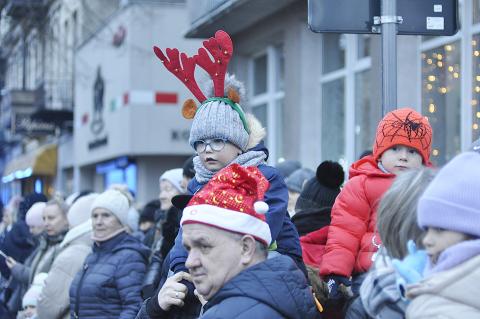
point(173, 292)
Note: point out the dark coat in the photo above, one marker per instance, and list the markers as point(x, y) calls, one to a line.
point(281, 227)
point(275, 288)
point(110, 282)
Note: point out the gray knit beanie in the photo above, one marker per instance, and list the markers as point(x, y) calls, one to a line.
point(297, 179)
point(215, 118)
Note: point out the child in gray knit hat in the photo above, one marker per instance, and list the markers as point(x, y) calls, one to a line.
point(223, 134)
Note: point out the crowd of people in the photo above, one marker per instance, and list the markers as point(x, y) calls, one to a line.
point(232, 237)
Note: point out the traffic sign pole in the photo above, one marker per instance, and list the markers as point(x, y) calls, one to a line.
point(389, 21)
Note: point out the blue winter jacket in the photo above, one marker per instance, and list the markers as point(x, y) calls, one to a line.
point(109, 284)
point(275, 288)
point(281, 227)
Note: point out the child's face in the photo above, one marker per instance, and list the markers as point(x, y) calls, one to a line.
point(216, 160)
point(436, 240)
point(399, 158)
point(29, 311)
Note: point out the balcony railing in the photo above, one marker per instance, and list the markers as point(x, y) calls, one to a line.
point(19, 9)
point(198, 9)
point(55, 95)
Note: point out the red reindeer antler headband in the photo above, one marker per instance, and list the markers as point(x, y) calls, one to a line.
point(220, 48)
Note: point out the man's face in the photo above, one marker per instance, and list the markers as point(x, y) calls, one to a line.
point(214, 257)
point(399, 158)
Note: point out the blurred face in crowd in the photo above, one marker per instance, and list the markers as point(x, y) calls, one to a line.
point(144, 226)
point(104, 223)
point(54, 220)
point(216, 154)
point(436, 240)
point(29, 311)
point(185, 181)
point(214, 257)
point(167, 191)
point(36, 230)
point(7, 216)
point(399, 158)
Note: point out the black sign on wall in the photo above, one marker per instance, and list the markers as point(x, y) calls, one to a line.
point(419, 17)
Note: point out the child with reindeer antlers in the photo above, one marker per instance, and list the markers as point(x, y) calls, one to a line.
point(222, 134)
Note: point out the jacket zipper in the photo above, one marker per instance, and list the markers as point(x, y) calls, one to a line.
point(77, 298)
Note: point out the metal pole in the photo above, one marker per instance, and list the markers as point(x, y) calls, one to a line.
point(389, 55)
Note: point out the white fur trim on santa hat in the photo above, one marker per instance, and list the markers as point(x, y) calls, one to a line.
point(114, 201)
point(228, 220)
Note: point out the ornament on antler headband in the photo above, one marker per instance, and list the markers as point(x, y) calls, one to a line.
point(220, 48)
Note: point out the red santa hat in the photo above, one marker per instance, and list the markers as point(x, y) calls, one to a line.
point(233, 201)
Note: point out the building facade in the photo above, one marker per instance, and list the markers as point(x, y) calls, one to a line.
point(320, 94)
point(128, 123)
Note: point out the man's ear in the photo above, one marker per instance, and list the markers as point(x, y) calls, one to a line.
point(248, 249)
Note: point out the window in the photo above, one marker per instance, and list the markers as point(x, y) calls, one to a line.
point(367, 114)
point(266, 101)
point(441, 99)
point(476, 87)
point(333, 120)
point(349, 116)
point(333, 52)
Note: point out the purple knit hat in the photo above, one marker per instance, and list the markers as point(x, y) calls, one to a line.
point(452, 200)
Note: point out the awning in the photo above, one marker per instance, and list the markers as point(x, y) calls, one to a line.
point(42, 161)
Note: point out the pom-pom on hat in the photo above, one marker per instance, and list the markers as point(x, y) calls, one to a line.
point(115, 202)
point(33, 293)
point(233, 201)
point(404, 127)
point(452, 200)
point(34, 216)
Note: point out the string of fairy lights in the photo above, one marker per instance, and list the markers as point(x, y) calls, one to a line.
point(441, 85)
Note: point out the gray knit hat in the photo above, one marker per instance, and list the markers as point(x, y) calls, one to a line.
point(297, 179)
point(217, 119)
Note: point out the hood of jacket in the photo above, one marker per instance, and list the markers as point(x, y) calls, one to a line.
point(78, 232)
point(260, 147)
point(367, 166)
point(277, 283)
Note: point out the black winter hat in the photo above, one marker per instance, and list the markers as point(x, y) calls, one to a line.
point(188, 168)
point(321, 191)
point(148, 211)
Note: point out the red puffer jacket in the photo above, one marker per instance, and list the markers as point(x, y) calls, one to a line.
point(349, 247)
point(313, 246)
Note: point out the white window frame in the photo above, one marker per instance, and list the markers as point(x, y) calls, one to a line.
point(270, 98)
point(353, 66)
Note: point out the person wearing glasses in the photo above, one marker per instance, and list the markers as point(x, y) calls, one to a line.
point(222, 134)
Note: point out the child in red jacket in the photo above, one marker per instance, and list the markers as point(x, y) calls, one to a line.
point(402, 142)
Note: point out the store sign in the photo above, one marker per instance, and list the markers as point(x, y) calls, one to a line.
point(418, 17)
point(180, 135)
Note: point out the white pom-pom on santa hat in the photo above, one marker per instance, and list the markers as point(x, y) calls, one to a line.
point(260, 207)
